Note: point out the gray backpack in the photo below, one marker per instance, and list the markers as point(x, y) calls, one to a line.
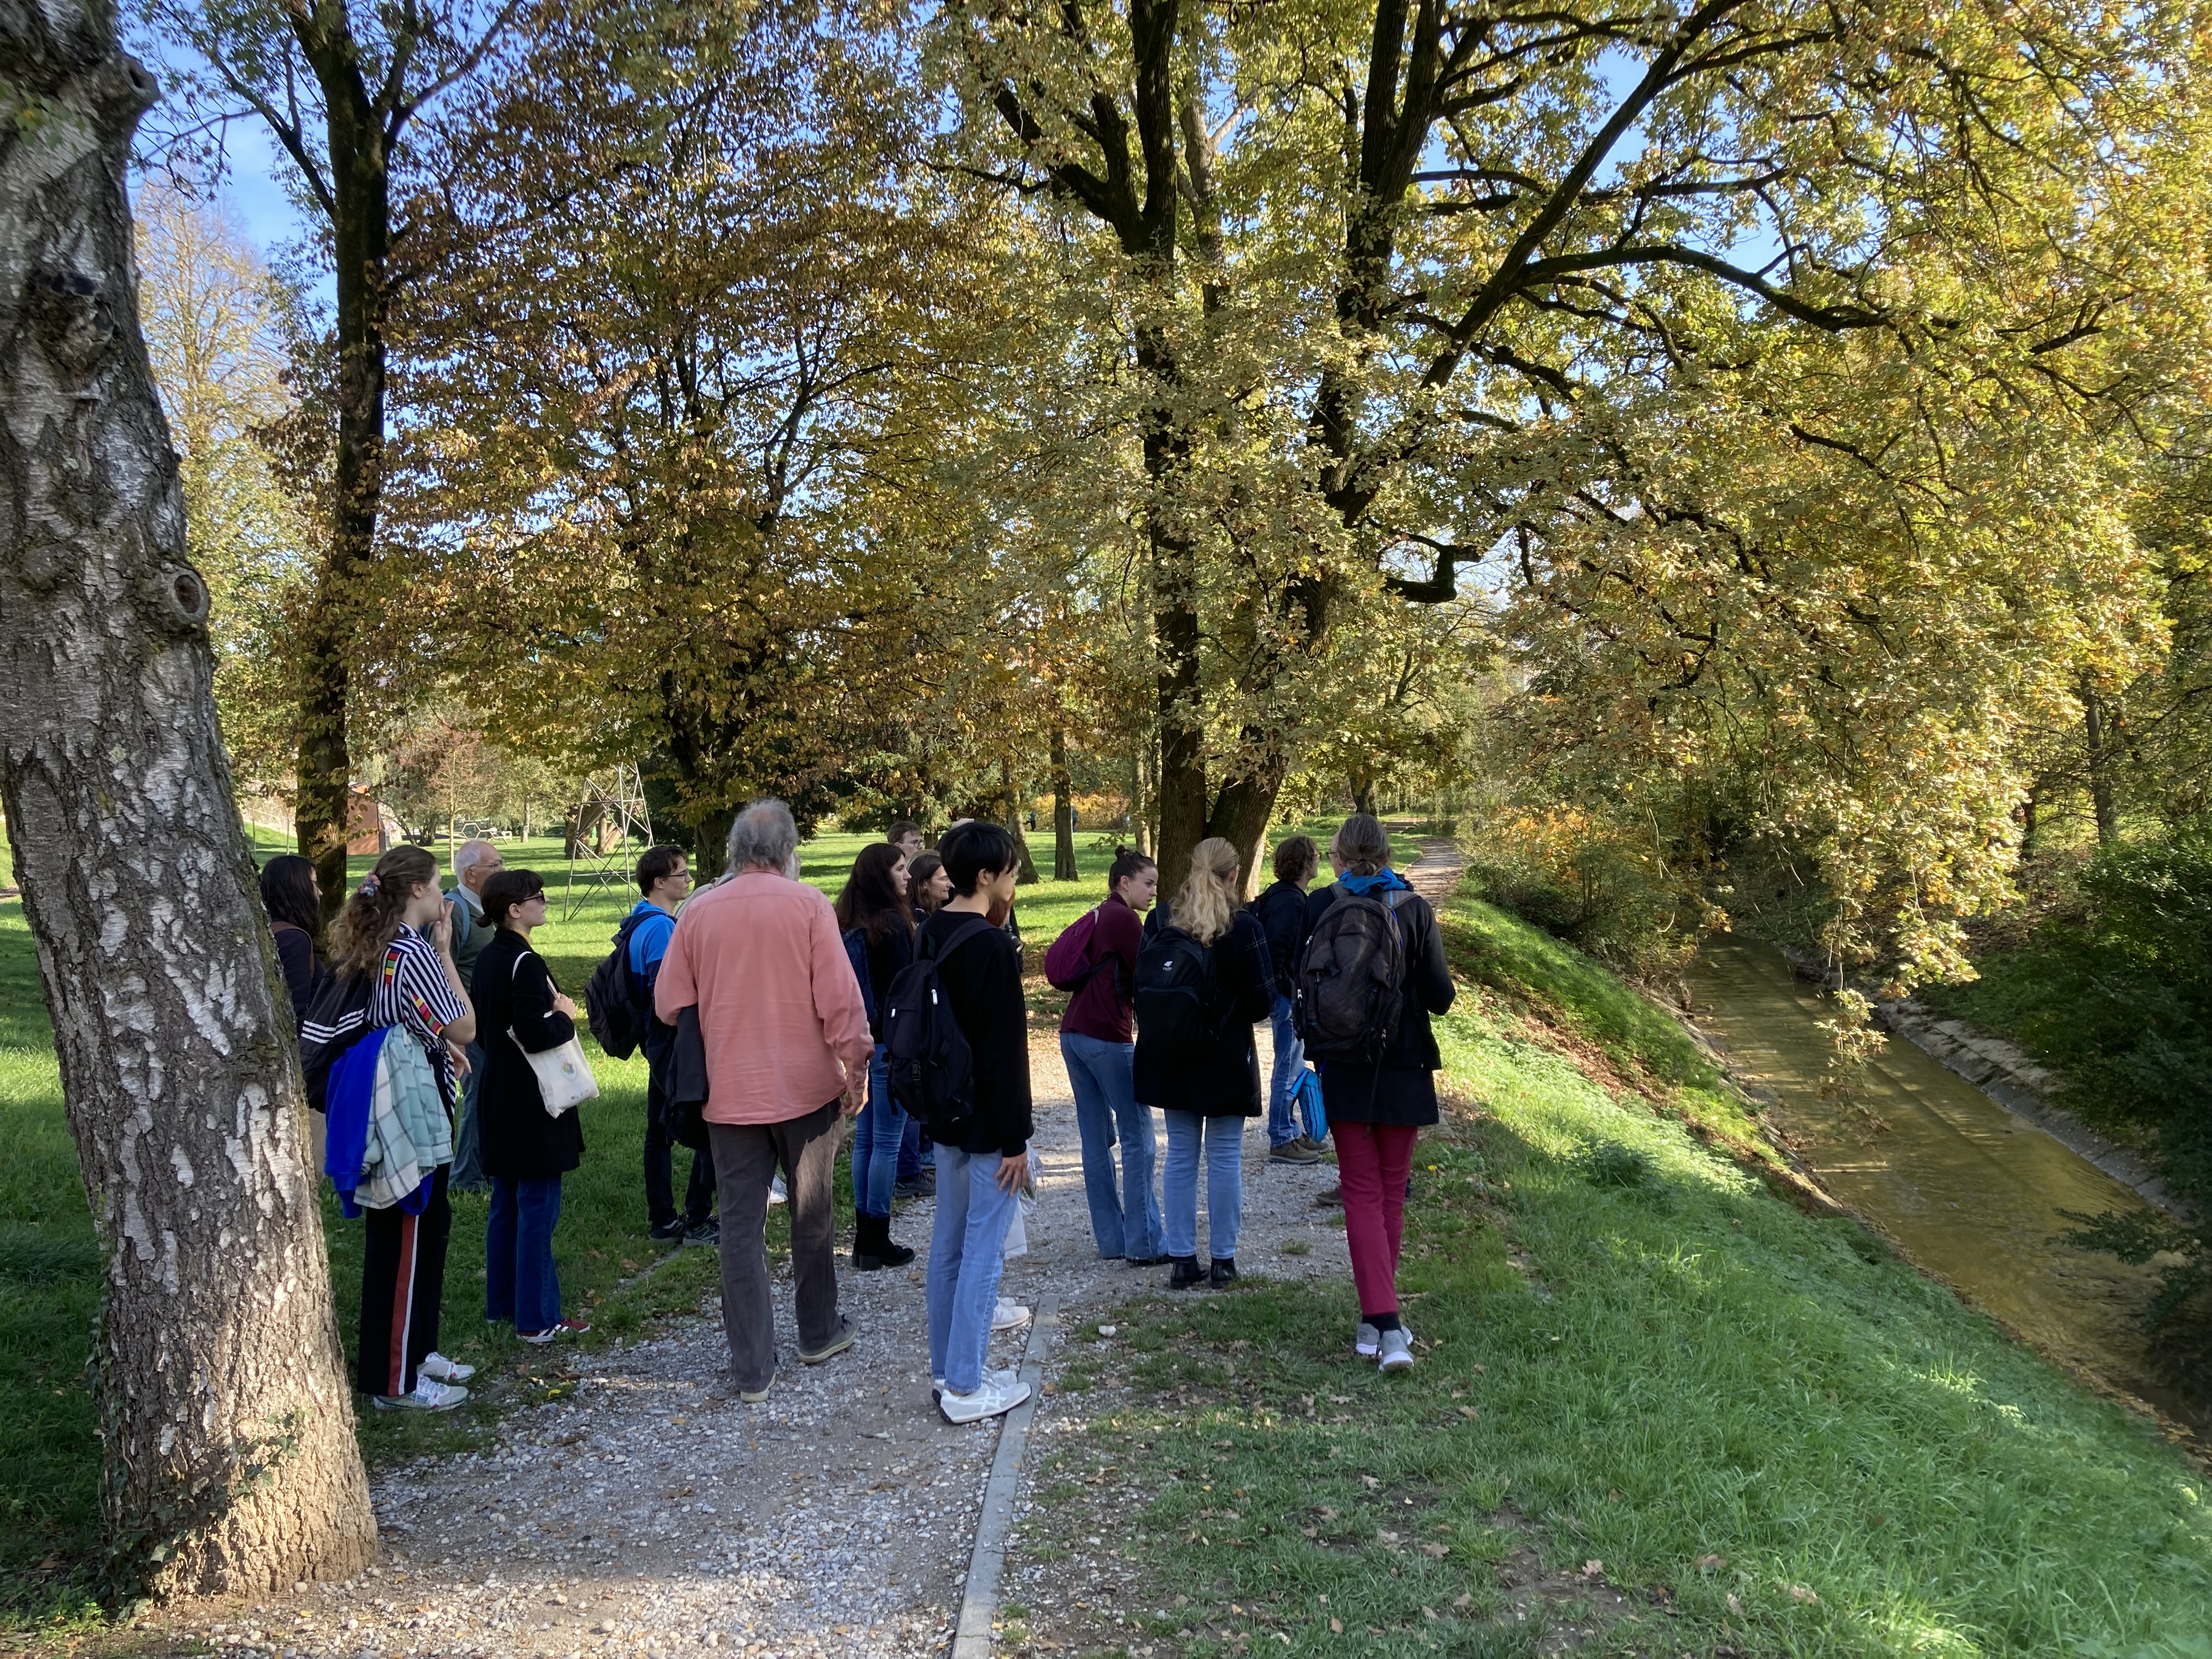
point(1351, 988)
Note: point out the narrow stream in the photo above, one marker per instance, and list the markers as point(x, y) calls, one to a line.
point(1969, 1191)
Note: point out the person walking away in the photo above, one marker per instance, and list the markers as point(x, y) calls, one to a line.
point(663, 881)
point(878, 934)
point(417, 987)
point(786, 1047)
point(521, 1012)
point(1376, 1107)
point(980, 1176)
point(1202, 983)
point(475, 863)
point(1282, 913)
point(292, 898)
point(1097, 960)
point(928, 888)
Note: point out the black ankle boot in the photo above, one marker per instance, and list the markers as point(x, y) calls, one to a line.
point(872, 1249)
point(1184, 1272)
point(1222, 1270)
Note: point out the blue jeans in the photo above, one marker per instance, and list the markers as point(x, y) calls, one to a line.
point(967, 1254)
point(876, 1141)
point(468, 1174)
point(1225, 1184)
point(518, 1279)
point(1283, 1126)
point(1126, 1221)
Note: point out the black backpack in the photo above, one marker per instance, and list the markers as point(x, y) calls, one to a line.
point(1351, 991)
point(932, 1067)
point(1174, 993)
point(337, 1018)
point(617, 1013)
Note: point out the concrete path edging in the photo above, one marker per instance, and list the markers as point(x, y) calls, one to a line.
point(979, 1602)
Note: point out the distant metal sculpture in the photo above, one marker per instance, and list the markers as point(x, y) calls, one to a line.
point(598, 830)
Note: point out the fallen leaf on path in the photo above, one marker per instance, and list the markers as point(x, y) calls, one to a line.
point(1336, 1625)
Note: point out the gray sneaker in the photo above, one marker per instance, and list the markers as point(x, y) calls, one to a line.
point(1367, 1341)
point(1397, 1350)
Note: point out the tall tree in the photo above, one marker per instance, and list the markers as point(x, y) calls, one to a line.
point(679, 249)
point(227, 1417)
point(337, 86)
point(1387, 278)
point(213, 323)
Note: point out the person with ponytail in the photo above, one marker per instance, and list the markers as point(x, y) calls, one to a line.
point(1376, 1111)
point(877, 928)
point(1195, 1059)
point(1096, 959)
point(416, 987)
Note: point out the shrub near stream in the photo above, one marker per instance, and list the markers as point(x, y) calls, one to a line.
point(1769, 1437)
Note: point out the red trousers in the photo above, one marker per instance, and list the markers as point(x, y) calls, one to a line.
point(1372, 1162)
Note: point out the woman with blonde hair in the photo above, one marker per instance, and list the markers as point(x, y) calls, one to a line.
point(1203, 982)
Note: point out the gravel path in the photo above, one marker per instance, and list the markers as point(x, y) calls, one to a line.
point(650, 1512)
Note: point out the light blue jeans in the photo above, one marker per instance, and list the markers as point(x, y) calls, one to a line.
point(1125, 1219)
point(967, 1254)
point(1283, 1125)
point(876, 1139)
point(1225, 1184)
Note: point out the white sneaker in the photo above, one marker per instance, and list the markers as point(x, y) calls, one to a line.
point(439, 1369)
point(993, 1397)
point(1367, 1341)
point(1009, 1315)
point(775, 1192)
point(428, 1396)
point(1008, 1376)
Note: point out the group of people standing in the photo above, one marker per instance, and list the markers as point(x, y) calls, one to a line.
point(765, 1007)
point(1122, 1067)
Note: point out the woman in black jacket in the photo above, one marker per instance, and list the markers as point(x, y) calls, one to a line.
point(292, 897)
point(1207, 1089)
point(1375, 1112)
point(878, 930)
point(525, 1150)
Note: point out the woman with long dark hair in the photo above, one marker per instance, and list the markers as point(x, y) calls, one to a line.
point(293, 900)
point(927, 886)
point(878, 929)
point(417, 988)
point(526, 1150)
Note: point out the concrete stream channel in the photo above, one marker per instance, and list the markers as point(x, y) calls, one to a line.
point(1969, 1190)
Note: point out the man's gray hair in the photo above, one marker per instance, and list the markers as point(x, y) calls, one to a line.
point(764, 836)
point(471, 853)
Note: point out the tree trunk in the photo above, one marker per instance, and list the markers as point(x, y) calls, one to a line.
point(1140, 803)
point(360, 239)
point(227, 1417)
point(1063, 813)
point(2097, 727)
point(1029, 875)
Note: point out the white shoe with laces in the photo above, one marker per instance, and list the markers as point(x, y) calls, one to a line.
point(428, 1396)
point(776, 1194)
point(439, 1369)
point(992, 1397)
point(1009, 1315)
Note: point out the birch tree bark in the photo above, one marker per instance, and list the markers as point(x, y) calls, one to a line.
point(231, 1465)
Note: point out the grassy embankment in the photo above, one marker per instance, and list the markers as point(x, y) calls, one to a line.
point(1694, 1418)
point(50, 1274)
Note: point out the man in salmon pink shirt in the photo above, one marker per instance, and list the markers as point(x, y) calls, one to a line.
point(786, 1047)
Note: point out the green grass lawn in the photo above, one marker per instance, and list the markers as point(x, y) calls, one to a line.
point(1773, 1437)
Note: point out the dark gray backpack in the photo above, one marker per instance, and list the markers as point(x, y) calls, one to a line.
point(1351, 990)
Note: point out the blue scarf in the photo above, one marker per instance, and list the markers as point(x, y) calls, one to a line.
point(1387, 881)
